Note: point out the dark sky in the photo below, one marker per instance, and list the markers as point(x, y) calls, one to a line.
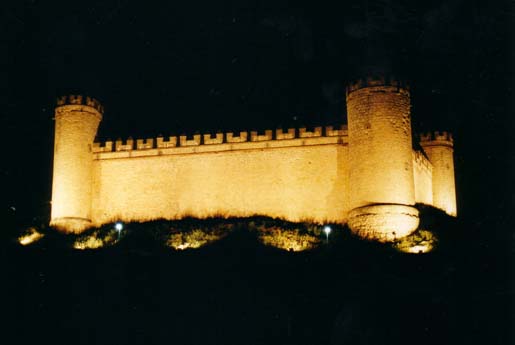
point(180, 67)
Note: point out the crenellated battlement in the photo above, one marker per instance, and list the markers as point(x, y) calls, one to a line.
point(316, 132)
point(162, 143)
point(208, 139)
point(128, 145)
point(254, 136)
point(376, 81)
point(106, 146)
point(143, 144)
point(436, 138)
point(184, 141)
point(421, 160)
point(240, 138)
point(331, 132)
point(80, 100)
point(281, 135)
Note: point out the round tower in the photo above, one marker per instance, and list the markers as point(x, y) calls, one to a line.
point(438, 147)
point(76, 123)
point(381, 183)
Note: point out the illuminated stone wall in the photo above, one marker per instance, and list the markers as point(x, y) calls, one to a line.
point(292, 178)
point(439, 149)
point(381, 187)
point(303, 178)
point(380, 137)
point(423, 178)
point(76, 122)
point(367, 176)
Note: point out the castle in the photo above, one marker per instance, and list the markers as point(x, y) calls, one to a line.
point(366, 174)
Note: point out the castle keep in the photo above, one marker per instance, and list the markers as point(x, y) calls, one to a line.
point(365, 174)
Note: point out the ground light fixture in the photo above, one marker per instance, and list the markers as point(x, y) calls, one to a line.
point(118, 226)
point(327, 231)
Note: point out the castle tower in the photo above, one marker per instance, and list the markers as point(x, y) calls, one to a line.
point(438, 147)
point(76, 123)
point(381, 183)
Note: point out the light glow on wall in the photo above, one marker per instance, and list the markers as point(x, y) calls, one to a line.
point(422, 241)
point(291, 240)
point(32, 236)
point(89, 242)
point(291, 183)
point(193, 239)
point(384, 223)
point(97, 240)
point(419, 248)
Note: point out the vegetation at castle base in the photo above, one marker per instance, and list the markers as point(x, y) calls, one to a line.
point(185, 234)
point(97, 238)
point(288, 239)
point(295, 237)
point(138, 290)
point(439, 229)
point(421, 241)
point(196, 237)
point(193, 234)
point(29, 236)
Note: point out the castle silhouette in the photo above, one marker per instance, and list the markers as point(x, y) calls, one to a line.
point(366, 174)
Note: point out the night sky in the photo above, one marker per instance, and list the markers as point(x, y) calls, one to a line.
point(181, 67)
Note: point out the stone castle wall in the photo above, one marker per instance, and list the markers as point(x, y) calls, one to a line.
point(369, 178)
point(382, 187)
point(380, 131)
point(300, 176)
point(77, 121)
point(296, 175)
point(438, 147)
point(423, 178)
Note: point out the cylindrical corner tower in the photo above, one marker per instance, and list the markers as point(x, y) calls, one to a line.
point(438, 147)
point(381, 183)
point(76, 123)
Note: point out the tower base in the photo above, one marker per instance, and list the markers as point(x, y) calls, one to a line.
point(71, 224)
point(385, 222)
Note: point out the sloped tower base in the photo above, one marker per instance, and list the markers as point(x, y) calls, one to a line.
point(71, 224)
point(383, 223)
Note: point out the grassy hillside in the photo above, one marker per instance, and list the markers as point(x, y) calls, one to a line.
point(236, 288)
